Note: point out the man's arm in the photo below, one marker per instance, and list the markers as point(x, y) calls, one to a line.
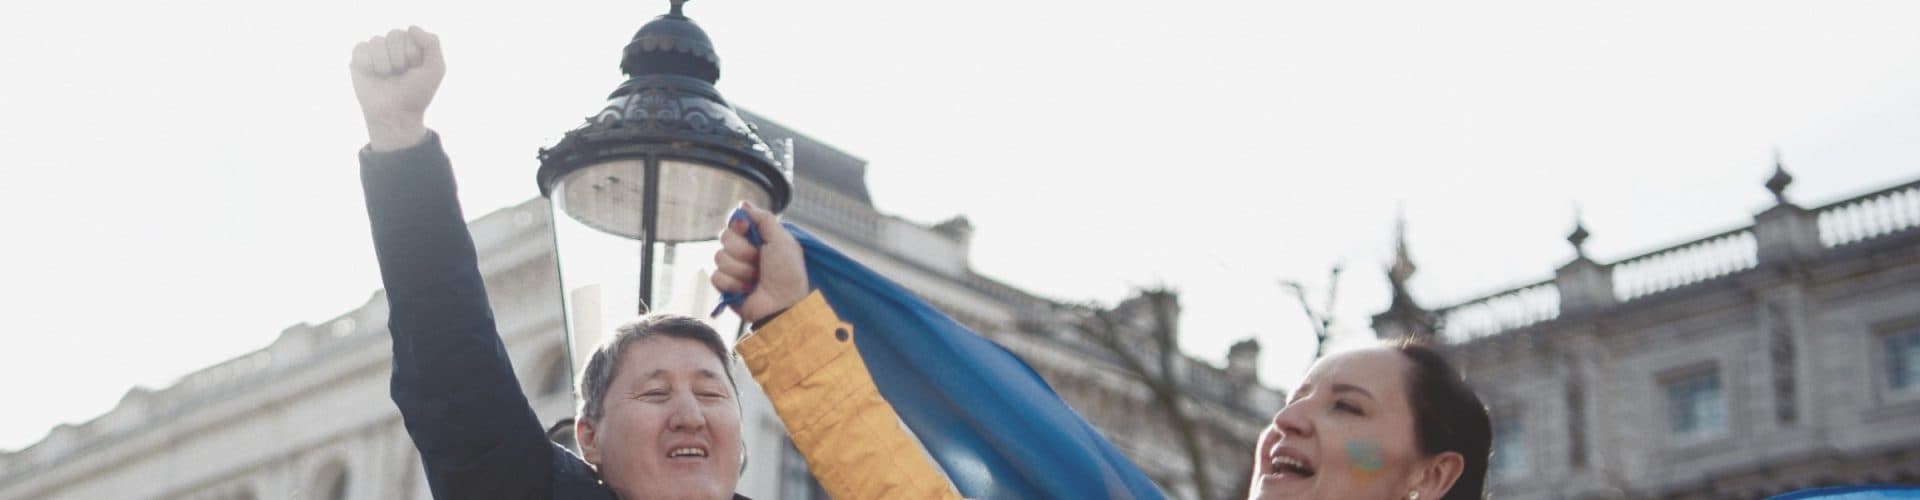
point(453, 383)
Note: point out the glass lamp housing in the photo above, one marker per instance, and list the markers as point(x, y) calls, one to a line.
point(640, 192)
point(612, 269)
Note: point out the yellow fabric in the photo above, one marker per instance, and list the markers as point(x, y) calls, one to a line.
point(819, 385)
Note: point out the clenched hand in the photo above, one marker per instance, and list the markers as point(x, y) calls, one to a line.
point(395, 77)
point(776, 271)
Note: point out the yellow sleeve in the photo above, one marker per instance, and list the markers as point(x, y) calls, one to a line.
point(852, 439)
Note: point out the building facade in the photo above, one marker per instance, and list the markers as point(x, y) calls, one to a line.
point(309, 417)
point(1775, 357)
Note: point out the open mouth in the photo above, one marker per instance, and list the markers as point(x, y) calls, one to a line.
point(1286, 465)
point(687, 452)
point(1288, 462)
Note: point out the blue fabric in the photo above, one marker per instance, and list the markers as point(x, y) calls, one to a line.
point(1854, 493)
point(994, 426)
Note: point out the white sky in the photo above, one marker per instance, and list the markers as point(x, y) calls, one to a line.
point(183, 183)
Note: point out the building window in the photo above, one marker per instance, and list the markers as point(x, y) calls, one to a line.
point(1902, 360)
point(796, 481)
point(1695, 405)
point(1509, 445)
point(1209, 382)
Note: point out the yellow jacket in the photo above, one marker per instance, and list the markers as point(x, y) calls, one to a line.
point(853, 441)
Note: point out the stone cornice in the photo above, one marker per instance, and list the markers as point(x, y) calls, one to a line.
point(510, 240)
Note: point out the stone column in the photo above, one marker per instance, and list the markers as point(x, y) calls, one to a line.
point(1243, 362)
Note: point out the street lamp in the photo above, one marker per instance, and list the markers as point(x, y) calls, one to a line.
point(648, 183)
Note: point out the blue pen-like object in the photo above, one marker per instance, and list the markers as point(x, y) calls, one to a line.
point(753, 236)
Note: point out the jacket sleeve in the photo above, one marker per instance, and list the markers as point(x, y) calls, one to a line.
point(853, 441)
point(477, 435)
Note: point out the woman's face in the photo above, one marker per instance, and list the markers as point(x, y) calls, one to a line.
point(1346, 433)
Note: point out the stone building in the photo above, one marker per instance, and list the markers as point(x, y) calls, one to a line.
point(309, 415)
point(1774, 357)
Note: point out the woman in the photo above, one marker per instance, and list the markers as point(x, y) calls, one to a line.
point(1385, 423)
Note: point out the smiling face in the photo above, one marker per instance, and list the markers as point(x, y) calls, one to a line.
point(1348, 432)
point(670, 428)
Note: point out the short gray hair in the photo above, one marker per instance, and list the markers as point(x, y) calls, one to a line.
point(598, 376)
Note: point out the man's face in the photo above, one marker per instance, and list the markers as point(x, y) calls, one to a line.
point(671, 429)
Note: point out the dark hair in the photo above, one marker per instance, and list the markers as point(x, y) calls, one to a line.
point(1447, 416)
point(606, 358)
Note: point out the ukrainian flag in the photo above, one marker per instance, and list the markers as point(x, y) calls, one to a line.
point(988, 421)
point(1863, 492)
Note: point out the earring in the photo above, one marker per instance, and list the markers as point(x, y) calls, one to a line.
point(1413, 495)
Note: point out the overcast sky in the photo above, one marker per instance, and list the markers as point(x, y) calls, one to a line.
point(182, 181)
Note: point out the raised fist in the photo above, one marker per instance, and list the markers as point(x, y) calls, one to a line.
point(395, 77)
point(776, 271)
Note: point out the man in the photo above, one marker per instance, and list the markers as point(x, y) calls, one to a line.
point(659, 416)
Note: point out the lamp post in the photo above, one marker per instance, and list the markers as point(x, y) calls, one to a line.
point(648, 183)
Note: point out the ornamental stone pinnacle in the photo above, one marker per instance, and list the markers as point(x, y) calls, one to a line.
point(1579, 238)
point(1780, 180)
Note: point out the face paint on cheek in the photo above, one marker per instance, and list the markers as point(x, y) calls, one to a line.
point(1365, 458)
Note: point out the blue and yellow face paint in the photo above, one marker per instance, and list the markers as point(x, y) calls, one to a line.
point(1365, 458)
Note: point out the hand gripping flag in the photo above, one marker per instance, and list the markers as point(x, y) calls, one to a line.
point(990, 422)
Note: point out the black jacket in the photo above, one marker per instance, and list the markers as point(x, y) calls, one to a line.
point(477, 435)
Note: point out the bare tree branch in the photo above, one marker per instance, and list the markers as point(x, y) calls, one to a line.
point(1320, 319)
point(1333, 286)
point(1109, 331)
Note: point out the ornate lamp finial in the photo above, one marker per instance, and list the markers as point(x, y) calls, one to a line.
point(676, 8)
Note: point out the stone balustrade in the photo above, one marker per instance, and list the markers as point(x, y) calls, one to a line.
point(1780, 236)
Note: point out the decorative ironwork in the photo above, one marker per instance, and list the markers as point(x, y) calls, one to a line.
point(672, 44)
point(668, 107)
point(668, 115)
